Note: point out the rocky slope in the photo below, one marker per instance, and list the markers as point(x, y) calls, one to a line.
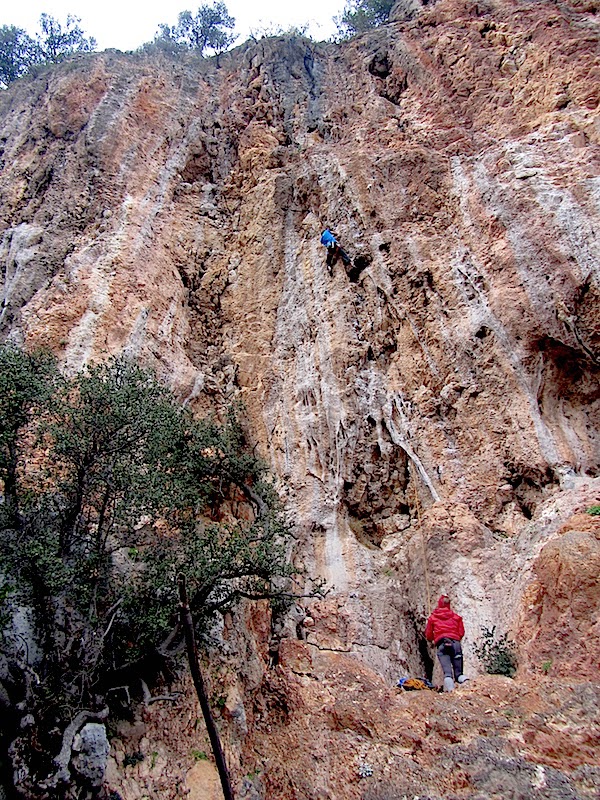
point(433, 412)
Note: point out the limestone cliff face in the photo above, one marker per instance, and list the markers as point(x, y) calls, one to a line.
point(434, 410)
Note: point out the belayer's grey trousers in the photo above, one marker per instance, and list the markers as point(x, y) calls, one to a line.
point(450, 655)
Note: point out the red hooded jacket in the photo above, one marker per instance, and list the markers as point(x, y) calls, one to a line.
point(444, 623)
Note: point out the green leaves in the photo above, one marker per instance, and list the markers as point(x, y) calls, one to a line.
point(58, 40)
point(112, 489)
point(118, 435)
point(55, 41)
point(497, 655)
point(26, 385)
point(363, 15)
point(18, 52)
point(206, 30)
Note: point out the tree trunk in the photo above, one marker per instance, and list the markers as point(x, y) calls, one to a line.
point(11, 496)
point(192, 651)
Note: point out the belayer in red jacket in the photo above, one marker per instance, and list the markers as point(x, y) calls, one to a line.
point(445, 629)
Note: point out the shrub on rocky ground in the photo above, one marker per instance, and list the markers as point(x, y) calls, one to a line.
point(497, 654)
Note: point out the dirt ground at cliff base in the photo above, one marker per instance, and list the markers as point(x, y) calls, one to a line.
point(328, 728)
point(494, 737)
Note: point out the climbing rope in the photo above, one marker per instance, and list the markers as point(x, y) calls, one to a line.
point(423, 541)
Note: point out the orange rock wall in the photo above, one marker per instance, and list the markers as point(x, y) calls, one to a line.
point(432, 413)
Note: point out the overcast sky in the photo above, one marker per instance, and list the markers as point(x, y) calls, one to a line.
point(126, 24)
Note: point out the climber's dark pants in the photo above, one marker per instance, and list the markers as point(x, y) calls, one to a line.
point(334, 252)
point(345, 257)
point(449, 653)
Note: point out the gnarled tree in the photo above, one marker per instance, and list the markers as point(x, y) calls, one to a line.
point(111, 489)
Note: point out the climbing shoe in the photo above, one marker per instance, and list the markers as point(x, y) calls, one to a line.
point(448, 685)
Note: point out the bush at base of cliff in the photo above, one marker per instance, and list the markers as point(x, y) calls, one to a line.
point(111, 489)
point(496, 654)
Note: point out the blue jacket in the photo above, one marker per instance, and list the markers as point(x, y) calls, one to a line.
point(327, 238)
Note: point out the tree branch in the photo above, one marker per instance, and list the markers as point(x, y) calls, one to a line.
point(115, 606)
point(213, 734)
point(62, 775)
point(148, 699)
point(254, 497)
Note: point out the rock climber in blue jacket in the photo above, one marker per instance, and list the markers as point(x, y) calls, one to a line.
point(334, 251)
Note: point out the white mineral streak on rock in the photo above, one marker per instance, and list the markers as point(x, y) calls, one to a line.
point(576, 237)
point(313, 406)
point(196, 389)
point(18, 250)
point(135, 341)
point(94, 268)
point(165, 329)
point(509, 348)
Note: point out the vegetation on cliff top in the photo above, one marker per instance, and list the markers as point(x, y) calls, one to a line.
point(54, 42)
point(111, 489)
point(363, 15)
point(208, 31)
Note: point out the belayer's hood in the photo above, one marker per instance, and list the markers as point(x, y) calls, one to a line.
point(443, 612)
